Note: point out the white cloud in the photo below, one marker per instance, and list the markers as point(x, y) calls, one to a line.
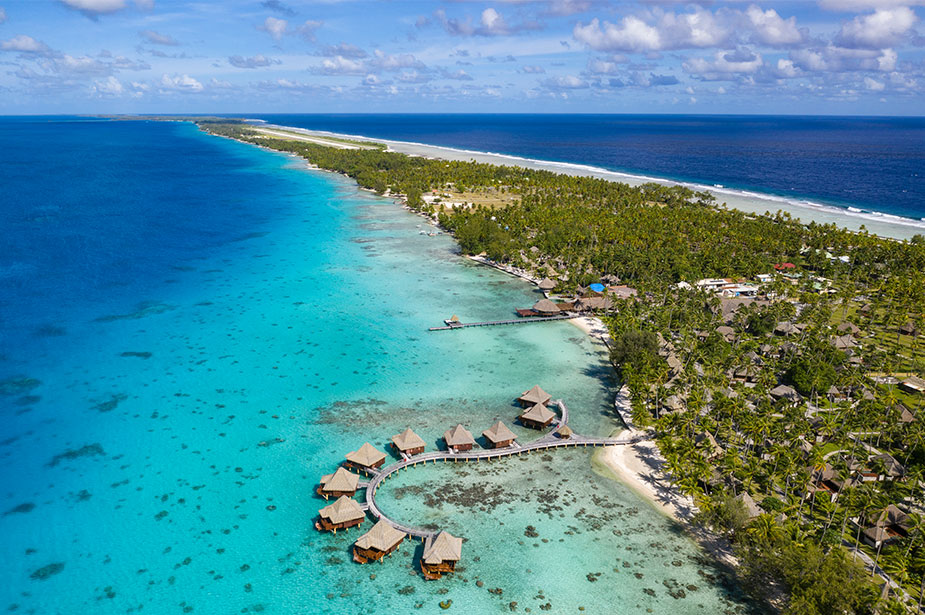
point(725, 65)
point(632, 34)
point(95, 6)
point(339, 65)
point(874, 85)
point(385, 61)
point(180, 83)
point(565, 82)
point(493, 22)
point(2, 14)
point(842, 59)
point(25, 44)
point(108, 87)
point(274, 27)
point(257, 61)
point(882, 28)
point(771, 29)
point(307, 29)
point(698, 29)
point(532, 69)
point(156, 38)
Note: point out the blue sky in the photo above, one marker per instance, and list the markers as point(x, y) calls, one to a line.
point(582, 56)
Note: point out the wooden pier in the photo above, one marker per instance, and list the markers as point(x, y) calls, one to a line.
point(547, 442)
point(511, 321)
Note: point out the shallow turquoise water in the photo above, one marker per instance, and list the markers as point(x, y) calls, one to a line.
point(168, 456)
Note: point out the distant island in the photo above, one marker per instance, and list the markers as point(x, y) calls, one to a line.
point(778, 365)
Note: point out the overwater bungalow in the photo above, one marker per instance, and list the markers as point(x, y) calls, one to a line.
point(545, 307)
point(499, 436)
point(381, 540)
point(366, 458)
point(408, 442)
point(534, 396)
point(340, 483)
point(458, 439)
point(537, 417)
point(342, 514)
point(565, 432)
point(440, 555)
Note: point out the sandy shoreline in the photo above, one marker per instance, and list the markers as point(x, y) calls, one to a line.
point(884, 225)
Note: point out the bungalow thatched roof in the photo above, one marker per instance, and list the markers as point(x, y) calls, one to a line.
point(565, 431)
point(444, 548)
point(751, 508)
point(407, 440)
point(546, 284)
point(538, 413)
point(536, 395)
point(844, 341)
point(458, 436)
point(341, 480)
point(545, 306)
point(782, 391)
point(345, 509)
point(381, 537)
point(366, 455)
point(848, 327)
point(499, 433)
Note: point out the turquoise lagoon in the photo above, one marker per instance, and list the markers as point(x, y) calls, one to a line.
point(169, 407)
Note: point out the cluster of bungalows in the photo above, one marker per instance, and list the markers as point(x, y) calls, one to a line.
point(443, 551)
point(594, 298)
point(441, 554)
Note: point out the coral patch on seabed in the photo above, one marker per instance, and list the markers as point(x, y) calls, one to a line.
point(90, 450)
point(46, 572)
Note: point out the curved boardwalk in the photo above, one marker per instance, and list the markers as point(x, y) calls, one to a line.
point(548, 441)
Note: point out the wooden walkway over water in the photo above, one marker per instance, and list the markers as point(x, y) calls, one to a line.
point(547, 442)
point(511, 321)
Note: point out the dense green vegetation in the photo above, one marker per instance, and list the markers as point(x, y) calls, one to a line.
point(712, 376)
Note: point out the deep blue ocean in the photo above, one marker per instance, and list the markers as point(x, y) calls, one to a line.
point(194, 330)
point(872, 163)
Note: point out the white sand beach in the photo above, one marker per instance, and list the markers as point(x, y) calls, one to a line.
point(884, 225)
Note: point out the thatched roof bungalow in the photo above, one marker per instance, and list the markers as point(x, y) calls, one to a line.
point(565, 432)
point(381, 540)
point(546, 307)
point(342, 514)
point(546, 284)
point(340, 483)
point(458, 439)
point(537, 417)
point(913, 384)
point(440, 555)
point(534, 396)
point(365, 458)
point(408, 442)
point(499, 436)
point(889, 525)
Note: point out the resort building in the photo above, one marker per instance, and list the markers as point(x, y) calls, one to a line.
point(889, 525)
point(340, 483)
point(534, 396)
point(408, 442)
point(342, 514)
point(499, 436)
point(365, 458)
point(565, 432)
point(458, 439)
point(913, 384)
point(381, 540)
point(545, 307)
point(546, 285)
point(782, 391)
point(440, 555)
point(537, 417)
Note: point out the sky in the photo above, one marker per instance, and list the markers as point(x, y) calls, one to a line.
point(844, 57)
